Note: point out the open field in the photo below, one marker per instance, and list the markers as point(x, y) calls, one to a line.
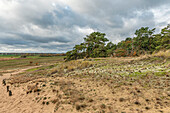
point(105, 85)
point(17, 62)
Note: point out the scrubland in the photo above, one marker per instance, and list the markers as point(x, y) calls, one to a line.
point(98, 85)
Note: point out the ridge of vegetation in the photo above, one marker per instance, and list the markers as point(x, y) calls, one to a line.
point(144, 42)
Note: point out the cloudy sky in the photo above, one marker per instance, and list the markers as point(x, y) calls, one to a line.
point(57, 25)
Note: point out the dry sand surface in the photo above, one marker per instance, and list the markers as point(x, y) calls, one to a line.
point(19, 102)
point(74, 94)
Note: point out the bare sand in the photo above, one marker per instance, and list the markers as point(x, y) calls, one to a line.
point(19, 102)
point(71, 94)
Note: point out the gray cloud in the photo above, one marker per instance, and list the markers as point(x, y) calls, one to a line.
point(44, 39)
point(57, 25)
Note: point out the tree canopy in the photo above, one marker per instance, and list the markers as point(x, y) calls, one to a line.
point(145, 41)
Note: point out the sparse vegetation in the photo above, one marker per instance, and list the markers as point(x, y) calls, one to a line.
point(97, 85)
point(70, 66)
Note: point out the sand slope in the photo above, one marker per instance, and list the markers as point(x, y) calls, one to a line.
point(19, 102)
point(85, 92)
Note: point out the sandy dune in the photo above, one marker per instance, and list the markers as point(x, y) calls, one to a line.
point(19, 102)
point(82, 91)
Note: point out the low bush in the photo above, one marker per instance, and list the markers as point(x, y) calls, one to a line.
point(71, 66)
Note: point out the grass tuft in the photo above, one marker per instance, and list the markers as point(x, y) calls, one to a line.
point(165, 54)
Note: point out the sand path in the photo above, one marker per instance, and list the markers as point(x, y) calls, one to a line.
point(14, 72)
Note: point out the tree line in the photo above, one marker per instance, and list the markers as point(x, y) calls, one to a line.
point(144, 42)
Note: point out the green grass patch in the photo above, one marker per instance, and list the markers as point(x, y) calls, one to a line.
point(160, 73)
point(17, 63)
point(9, 56)
point(33, 69)
point(135, 74)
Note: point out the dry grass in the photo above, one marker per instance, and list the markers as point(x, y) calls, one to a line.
point(22, 79)
point(71, 66)
point(33, 88)
point(165, 54)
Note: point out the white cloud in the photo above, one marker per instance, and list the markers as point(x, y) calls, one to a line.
point(161, 16)
point(84, 30)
